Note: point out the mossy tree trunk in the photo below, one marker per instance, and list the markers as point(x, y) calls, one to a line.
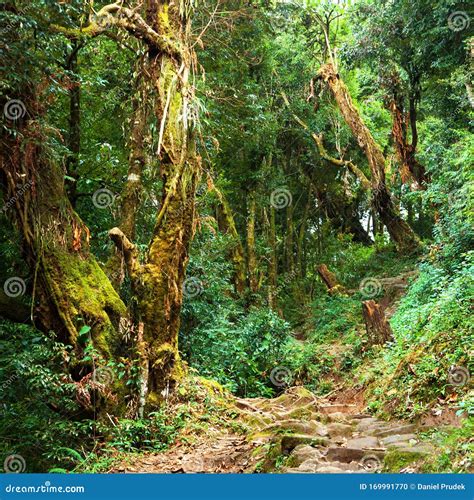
point(70, 289)
point(251, 250)
point(132, 193)
point(74, 137)
point(273, 260)
point(227, 225)
point(400, 232)
point(404, 122)
point(159, 281)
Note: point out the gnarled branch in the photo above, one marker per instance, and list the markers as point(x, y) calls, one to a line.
point(128, 249)
point(318, 139)
point(122, 17)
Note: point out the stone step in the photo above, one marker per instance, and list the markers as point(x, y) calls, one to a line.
point(397, 439)
point(347, 455)
point(337, 408)
point(391, 430)
point(363, 442)
point(291, 441)
point(339, 429)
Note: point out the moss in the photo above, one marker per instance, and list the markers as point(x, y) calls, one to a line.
point(83, 295)
point(212, 385)
point(395, 460)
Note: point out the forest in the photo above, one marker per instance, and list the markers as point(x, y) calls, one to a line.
point(236, 236)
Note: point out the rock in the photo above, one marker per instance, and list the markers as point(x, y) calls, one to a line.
point(329, 469)
point(298, 427)
point(363, 442)
point(366, 423)
point(421, 449)
point(337, 408)
point(397, 438)
point(401, 429)
point(339, 429)
point(291, 441)
point(347, 455)
point(310, 465)
point(338, 440)
point(336, 417)
point(303, 453)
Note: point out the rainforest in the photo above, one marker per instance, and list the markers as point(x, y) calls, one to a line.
point(236, 236)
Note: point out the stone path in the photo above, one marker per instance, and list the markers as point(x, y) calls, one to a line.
point(294, 433)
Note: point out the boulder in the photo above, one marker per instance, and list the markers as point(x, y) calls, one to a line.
point(291, 441)
point(339, 429)
point(303, 453)
point(391, 430)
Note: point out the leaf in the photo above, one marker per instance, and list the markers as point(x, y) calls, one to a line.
point(72, 453)
point(84, 330)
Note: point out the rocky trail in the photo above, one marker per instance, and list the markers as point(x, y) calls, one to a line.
point(299, 432)
point(296, 432)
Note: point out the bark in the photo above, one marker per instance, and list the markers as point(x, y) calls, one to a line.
point(329, 279)
point(400, 232)
point(273, 262)
point(70, 288)
point(402, 121)
point(302, 233)
point(132, 192)
point(74, 138)
point(159, 281)
point(251, 250)
point(226, 224)
point(289, 241)
point(378, 328)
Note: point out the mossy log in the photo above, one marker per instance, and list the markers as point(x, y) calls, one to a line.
point(329, 279)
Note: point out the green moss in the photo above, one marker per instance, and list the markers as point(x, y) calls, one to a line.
point(212, 385)
point(396, 460)
point(83, 296)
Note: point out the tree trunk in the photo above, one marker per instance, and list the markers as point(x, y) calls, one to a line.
point(74, 138)
point(378, 328)
point(71, 289)
point(329, 279)
point(160, 280)
point(226, 224)
point(132, 192)
point(251, 251)
point(273, 263)
point(401, 121)
point(302, 232)
point(289, 244)
point(400, 232)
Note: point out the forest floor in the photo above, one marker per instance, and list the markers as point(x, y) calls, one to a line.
point(296, 432)
point(299, 432)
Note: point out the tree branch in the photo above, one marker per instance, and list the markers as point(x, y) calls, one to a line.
point(318, 139)
point(122, 17)
point(128, 249)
